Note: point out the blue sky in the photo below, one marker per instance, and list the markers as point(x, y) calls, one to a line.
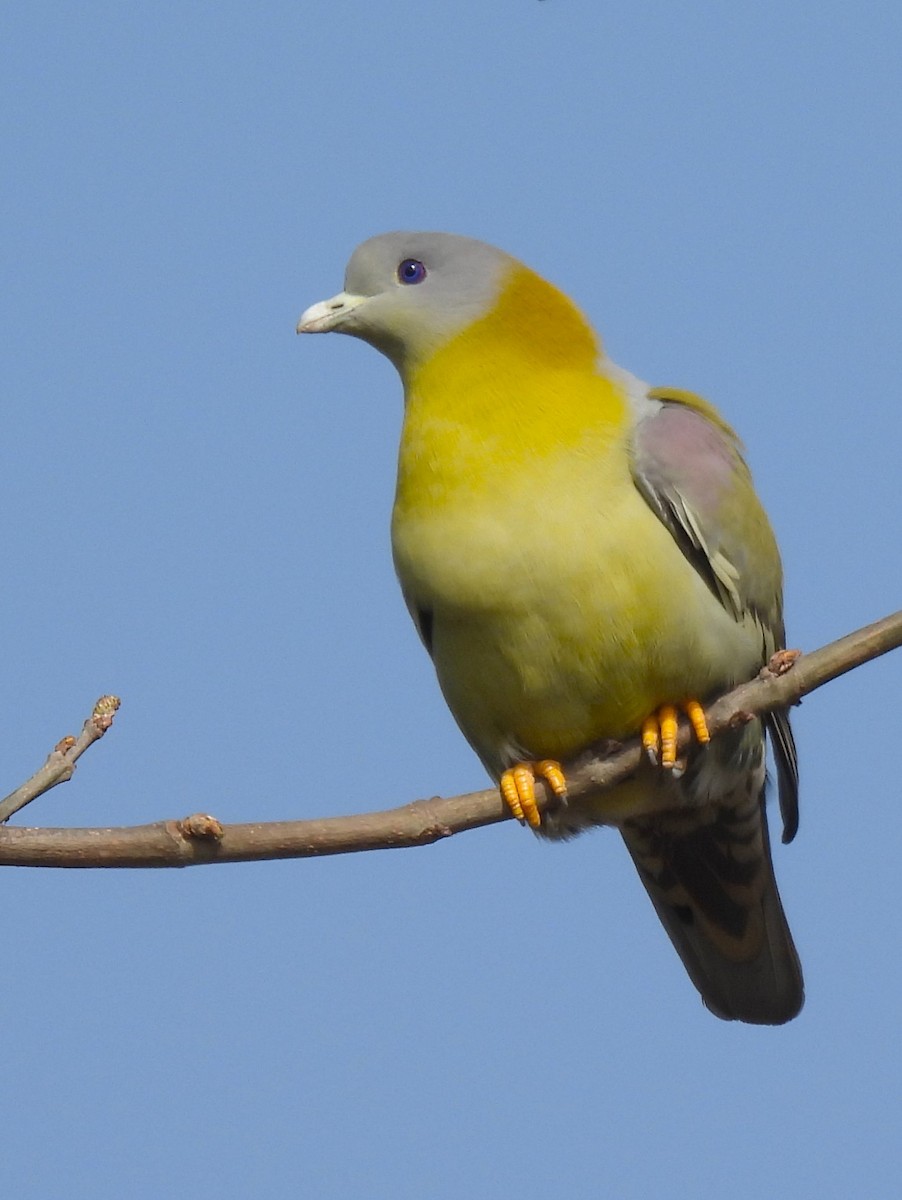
point(196, 517)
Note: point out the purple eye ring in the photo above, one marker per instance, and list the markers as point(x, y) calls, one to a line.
point(411, 270)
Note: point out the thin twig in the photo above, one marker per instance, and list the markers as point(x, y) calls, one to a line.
point(60, 764)
point(202, 839)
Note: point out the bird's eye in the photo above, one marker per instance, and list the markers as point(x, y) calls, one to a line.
point(411, 270)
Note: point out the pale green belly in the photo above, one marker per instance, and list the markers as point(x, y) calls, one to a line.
point(571, 632)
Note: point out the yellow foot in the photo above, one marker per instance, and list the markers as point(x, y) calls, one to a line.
point(518, 788)
point(659, 731)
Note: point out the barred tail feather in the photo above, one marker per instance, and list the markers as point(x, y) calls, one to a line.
point(710, 877)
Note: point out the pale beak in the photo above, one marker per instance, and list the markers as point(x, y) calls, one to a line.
point(329, 314)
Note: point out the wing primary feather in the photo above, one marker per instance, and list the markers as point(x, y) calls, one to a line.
point(786, 759)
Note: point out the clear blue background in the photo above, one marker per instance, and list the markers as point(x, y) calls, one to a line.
point(196, 513)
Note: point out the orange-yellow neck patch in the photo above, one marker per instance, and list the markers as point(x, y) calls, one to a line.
point(519, 383)
point(531, 326)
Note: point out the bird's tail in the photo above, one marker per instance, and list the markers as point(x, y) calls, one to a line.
point(709, 875)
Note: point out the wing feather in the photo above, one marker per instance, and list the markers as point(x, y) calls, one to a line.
point(708, 870)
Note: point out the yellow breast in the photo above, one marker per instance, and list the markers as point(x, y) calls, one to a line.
point(561, 609)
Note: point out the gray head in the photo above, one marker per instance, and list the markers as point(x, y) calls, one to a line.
point(408, 293)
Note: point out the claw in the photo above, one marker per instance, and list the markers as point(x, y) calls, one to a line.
point(518, 788)
point(659, 732)
point(696, 715)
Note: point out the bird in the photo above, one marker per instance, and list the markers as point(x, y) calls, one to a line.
point(584, 556)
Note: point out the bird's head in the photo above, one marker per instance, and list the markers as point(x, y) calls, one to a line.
point(407, 294)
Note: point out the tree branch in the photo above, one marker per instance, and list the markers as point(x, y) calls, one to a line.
point(60, 764)
point(202, 839)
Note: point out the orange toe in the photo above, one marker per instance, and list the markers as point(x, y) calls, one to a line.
point(518, 788)
point(659, 731)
